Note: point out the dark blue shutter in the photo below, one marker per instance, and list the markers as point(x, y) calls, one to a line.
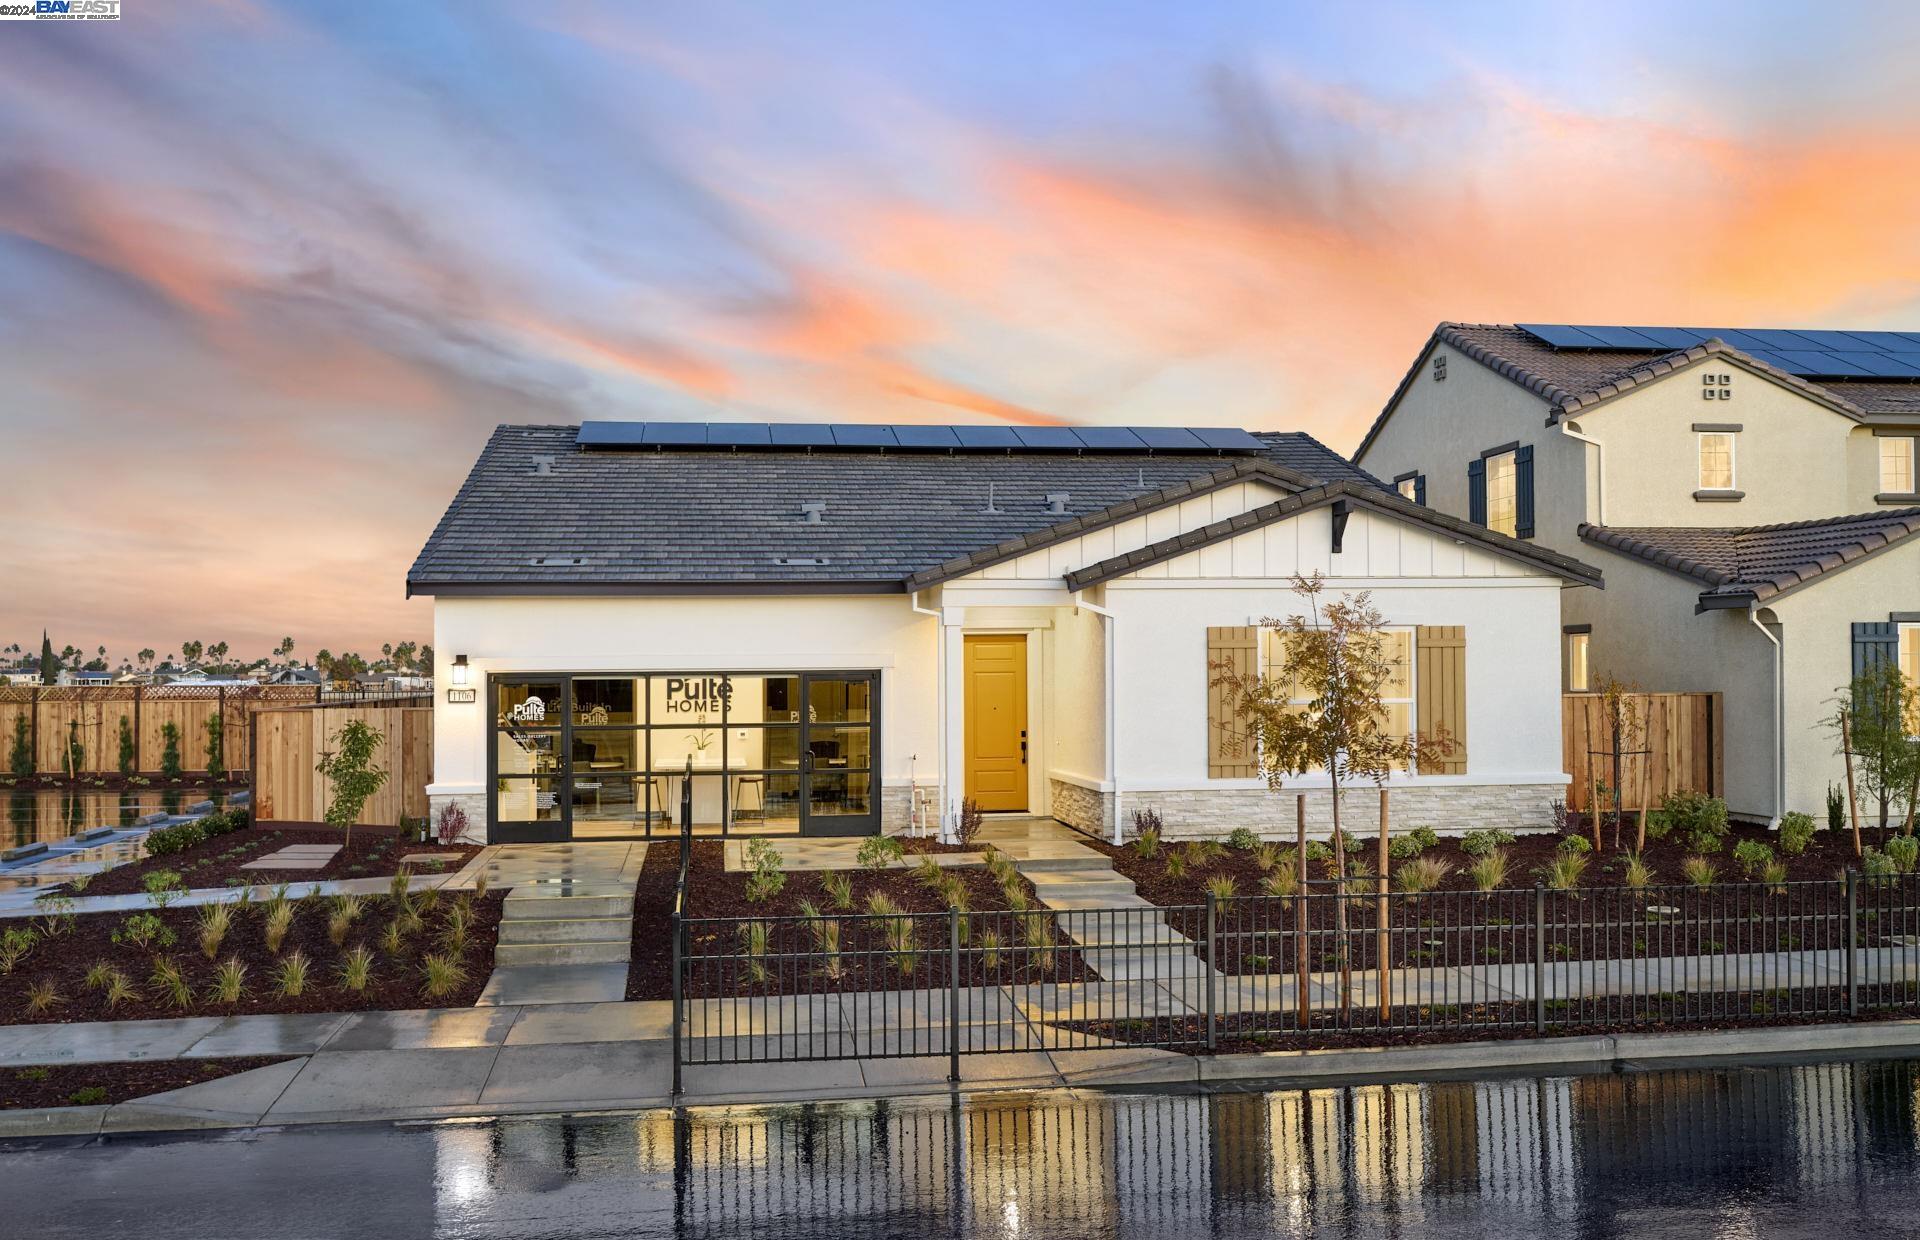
point(1420, 489)
point(1523, 491)
point(1477, 492)
point(1875, 642)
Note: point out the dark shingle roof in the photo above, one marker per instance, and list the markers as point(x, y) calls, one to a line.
point(1570, 380)
point(1758, 562)
point(605, 521)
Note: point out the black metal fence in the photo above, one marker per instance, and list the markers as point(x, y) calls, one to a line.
point(1280, 970)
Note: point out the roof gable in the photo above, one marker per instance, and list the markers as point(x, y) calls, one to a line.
point(1761, 562)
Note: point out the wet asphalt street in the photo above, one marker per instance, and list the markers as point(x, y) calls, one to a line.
point(1816, 1150)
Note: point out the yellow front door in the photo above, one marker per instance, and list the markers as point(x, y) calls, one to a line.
point(996, 690)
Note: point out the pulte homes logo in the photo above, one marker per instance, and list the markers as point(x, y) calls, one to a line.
point(62, 11)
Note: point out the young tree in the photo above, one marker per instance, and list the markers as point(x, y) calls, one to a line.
point(170, 749)
point(352, 774)
point(129, 751)
point(49, 666)
point(76, 756)
point(146, 656)
point(216, 747)
point(20, 757)
point(1880, 711)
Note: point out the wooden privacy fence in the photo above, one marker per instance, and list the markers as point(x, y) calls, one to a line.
point(1682, 734)
point(287, 745)
point(50, 712)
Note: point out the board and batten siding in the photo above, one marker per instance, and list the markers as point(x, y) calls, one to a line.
point(1051, 563)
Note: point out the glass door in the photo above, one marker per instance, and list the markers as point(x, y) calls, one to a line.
point(526, 764)
point(838, 772)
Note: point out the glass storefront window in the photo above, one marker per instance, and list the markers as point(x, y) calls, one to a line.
point(529, 703)
point(840, 701)
point(602, 701)
point(527, 800)
point(837, 794)
point(763, 699)
point(522, 751)
point(608, 749)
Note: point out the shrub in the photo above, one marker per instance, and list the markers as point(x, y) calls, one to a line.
point(838, 889)
point(1904, 850)
point(971, 819)
point(1480, 843)
point(129, 751)
point(1576, 844)
point(450, 824)
point(1317, 851)
point(215, 920)
point(1489, 872)
point(1836, 808)
point(15, 944)
point(170, 750)
point(1796, 832)
point(145, 931)
point(20, 756)
point(1700, 820)
point(1752, 856)
point(767, 878)
point(1422, 874)
point(163, 841)
point(229, 981)
point(1699, 871)
point(877, 852)
point(1876, 864)
point(224, 823)
point(163, 887)
point(216, 746)
point(88, 1096)
point(1243, 838)
point(76, 758)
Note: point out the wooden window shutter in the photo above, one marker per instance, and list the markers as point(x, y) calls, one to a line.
point(1874, 642)
point(1477, 491)
point(1523, 491)
point(1229, 754)
point(1420, 489)
point(1440, 655)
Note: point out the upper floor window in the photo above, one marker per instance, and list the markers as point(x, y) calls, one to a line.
point(1579, 668)
point(1412, 487)
point(1503, 511)
point(1897, 465)
point(1716, 461)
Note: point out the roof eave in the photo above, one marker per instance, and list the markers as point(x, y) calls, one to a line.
point(684, 588)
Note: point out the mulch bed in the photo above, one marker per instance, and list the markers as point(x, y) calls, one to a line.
point(865, 959)
point(374, 852)
point(1329, 1030)
point(64, 959)
point(92, 1084)
point(1828, 854)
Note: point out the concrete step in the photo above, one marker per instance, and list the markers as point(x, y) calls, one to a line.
point(1097, 931)
point(567, 930)
point(511, 954)
point(1081, 884)
point(1125, 964)
point(540, 908)
point(1046, 858)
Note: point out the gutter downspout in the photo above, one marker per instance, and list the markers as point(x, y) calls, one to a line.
point(1110, 623)
point(1779, 718)
point(939, 705)
point(1599, 470)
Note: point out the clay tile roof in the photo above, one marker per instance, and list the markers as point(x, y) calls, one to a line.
point(1758, 562)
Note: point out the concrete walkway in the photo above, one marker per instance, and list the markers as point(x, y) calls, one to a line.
point(566, 931)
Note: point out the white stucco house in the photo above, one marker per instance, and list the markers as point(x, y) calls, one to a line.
point(1750, 494)
point(851, 629)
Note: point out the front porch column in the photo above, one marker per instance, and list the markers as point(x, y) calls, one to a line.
point(953, 706)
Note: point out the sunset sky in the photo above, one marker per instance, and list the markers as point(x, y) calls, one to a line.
point(271, 273)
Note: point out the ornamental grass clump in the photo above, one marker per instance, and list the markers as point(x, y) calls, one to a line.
point(1421, 874)
point(754, 936)
point(42, 997)
point(988, 942)
point(1223, 887)
point(1176, 863)
point(290, 975)
point(1564, 872)
point(215, 920)
point(279, 921)
point(1774, 875)
point(1267, 857)
point(838, 889)
point(392, 941)
point(1281, 881)
point(98, 975)
point(927, 872)
point(119, 989)
point(1489, 871)
point(443, 975)
point(1699, 871)
point(1636, 872)
point(1146, 845)
point(229, 981)
point(170, 983)
point(1036, 936)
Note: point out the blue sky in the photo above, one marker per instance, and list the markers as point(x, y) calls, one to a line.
point(274, 271)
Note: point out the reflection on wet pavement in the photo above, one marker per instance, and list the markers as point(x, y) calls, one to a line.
point(1748, 1152)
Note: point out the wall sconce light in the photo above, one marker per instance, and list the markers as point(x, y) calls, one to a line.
point(460, 670)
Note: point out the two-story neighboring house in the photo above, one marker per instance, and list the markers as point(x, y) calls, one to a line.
point(1751, 497)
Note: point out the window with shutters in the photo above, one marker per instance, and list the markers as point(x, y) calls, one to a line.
point(1503, 494)
point(1412, 487)
point(1716, 461)
point(1396, 696)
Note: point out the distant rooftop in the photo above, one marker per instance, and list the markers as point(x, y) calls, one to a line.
point(870, 437)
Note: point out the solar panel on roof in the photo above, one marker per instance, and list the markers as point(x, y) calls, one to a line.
point(1885, 342)
point(610, 434)
point(1169, 438)
point(1561, 336)
point(1228, 439)
point(857, 436)
point(1051, 438)
point(1620, 338)
point(1672, 337)
point(1879, 365)
point(1747, 341)
point(1109, 438)
point(801, 435)
point(1810, 362)
point(925, 437)
point(739, 435)
point(676, 434)
point(1833, 342)
point(982, 437)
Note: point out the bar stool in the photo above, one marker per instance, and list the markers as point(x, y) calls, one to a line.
point(648, 797)
point(756, 784)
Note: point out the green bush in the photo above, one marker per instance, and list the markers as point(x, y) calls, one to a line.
point(1752, 856)
point(216, 747)
point(170, 750)
point(20, 757)
point(1905, 851)
point(1699, 819)
point(164, 840)
point(877, 852)
point(1481, 843)
point(1836, 808)
point(1243, 838)
point(129, 752)
point(1796, 832)
point(1876, 864)
point(1576, 844)
point(224, 823)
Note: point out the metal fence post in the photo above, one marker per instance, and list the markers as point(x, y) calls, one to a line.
point(953, 995)
point(675, 929)
point(1853, 938)
point(1212, 1016)
point(1539, 958)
